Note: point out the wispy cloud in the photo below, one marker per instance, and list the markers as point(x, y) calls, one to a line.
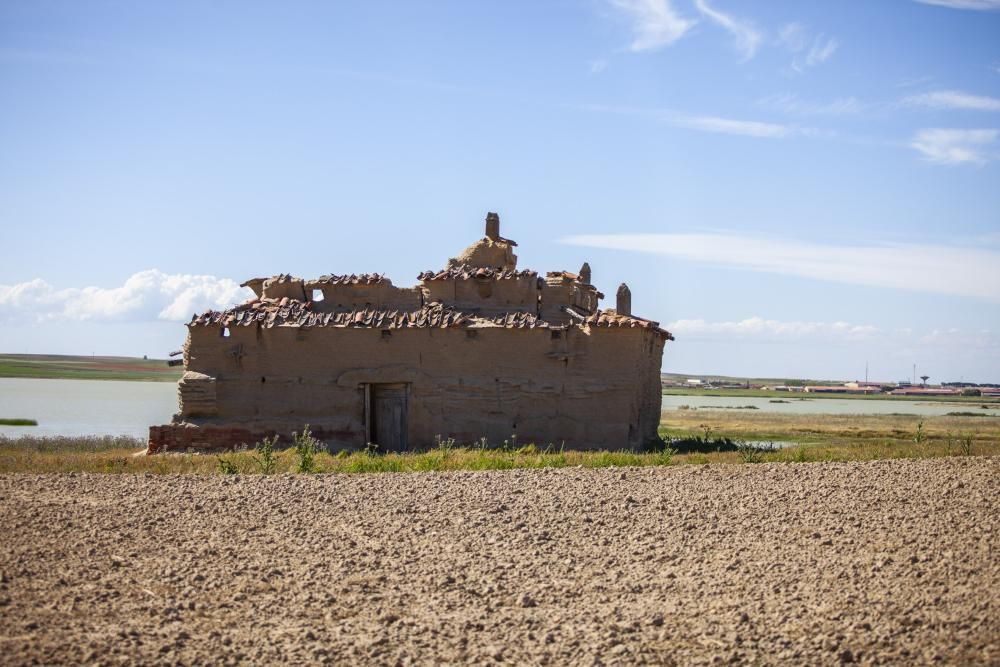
point(747, 37)
point(598, 66)
point(704, 123)
point(950, 146)
point(792, 104)
point(747, 128)
point(147, 295)
point(760, 329)
point(655, 23)
point(981, 5)
point(953, 99)
point(937, 269)
point(822, 49)
point(807, 52)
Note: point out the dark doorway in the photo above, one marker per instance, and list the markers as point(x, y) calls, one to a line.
point(388, 418)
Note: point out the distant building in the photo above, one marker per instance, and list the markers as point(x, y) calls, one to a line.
point(841, 389)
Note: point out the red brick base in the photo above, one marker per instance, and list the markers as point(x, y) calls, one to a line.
point(174, 438)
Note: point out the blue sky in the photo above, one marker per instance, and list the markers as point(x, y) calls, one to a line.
point(794, 189)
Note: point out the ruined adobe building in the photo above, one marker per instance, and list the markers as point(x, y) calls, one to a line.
point(479, 349)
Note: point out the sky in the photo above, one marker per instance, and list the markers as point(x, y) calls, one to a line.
point(792, 189)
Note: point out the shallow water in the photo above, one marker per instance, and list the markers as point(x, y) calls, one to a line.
point(86, 407)
point(106, 407)
point(826, 406)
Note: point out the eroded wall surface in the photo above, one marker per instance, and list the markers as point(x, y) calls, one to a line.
point(567, 387)
point(484, 350)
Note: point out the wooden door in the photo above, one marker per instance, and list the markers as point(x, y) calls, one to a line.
point(389, 417)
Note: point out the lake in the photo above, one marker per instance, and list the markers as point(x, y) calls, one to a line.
point(106, 407)
point(827, 406)
point(86, 407)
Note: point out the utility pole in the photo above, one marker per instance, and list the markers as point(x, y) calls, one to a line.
point(866, 372)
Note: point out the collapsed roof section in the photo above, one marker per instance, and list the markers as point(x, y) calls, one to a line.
point(290, 313)
point(482, 287)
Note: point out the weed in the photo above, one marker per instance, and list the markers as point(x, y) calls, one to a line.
point(966, 445)
point(265, 457)
point(445, 446)
point(226, 466)
point(306, 448)
point(116, 464)
point(752, 453)
point(801, 455)
point(919, 435)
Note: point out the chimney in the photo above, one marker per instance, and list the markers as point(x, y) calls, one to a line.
point(585, 273)
point(492, 226)
point(624, 300)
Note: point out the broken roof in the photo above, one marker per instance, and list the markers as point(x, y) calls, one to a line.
point(293, 313)
point(466, 272)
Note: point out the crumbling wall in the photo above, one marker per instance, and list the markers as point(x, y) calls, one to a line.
point(490, 253)
point(485, 296)
point(570, 387)
point(558, 290)
point(350, 296)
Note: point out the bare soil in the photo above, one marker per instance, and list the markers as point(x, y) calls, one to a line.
point(878, 562)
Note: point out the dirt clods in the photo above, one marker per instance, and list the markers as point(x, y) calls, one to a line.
point(835, 563)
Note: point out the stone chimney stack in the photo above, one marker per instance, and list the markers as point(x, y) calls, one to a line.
point(624, 300)
point(492, 226)
point(585, 273)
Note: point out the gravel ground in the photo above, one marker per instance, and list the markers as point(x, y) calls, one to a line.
point(884, 562)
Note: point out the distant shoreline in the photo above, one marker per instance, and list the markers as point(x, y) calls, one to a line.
point(76, 367)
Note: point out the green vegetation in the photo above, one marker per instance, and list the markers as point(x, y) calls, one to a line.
point(306, 447)
point(61, 367)
point(698, 437)
point(18, 422)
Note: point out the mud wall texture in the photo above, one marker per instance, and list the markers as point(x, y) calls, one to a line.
point(582, 387)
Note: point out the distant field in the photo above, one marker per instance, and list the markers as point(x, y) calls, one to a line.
point(65, 367)
point(796, 395)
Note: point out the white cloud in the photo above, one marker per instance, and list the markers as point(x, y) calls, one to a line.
point(748, 128)
point(981, 5)
point(949, 146)
point(760, 329)
point(821, 50)
point(747, 37)
point(655, 23)
point(954, 99)
point(959, 271)
point(794, 37)
point(977, 340)
point(792, 104)
point(598, 66)
point(146, 295)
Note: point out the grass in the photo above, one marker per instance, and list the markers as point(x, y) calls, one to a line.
point(64, 367)
point(18, 422)
point(716, 436)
